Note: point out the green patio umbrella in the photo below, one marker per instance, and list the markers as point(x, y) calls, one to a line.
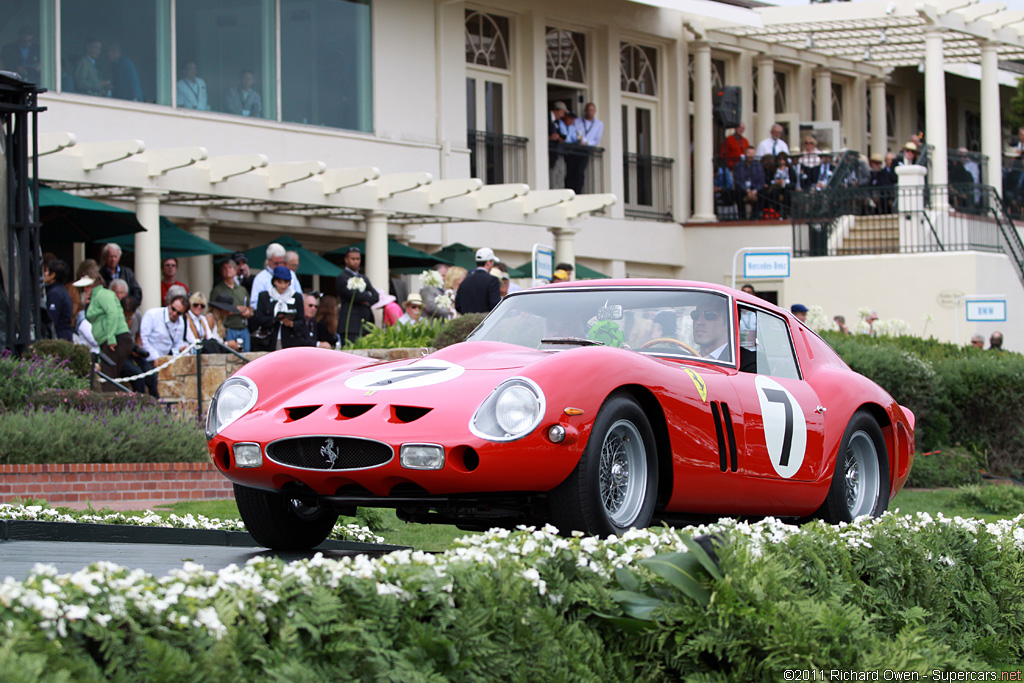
point(459, 254)
point(310, 263)
point(69, 218)
point(401, 258)
point(582, 272)
point(176, 242)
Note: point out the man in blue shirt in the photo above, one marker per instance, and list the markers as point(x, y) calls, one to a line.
point(58, 301)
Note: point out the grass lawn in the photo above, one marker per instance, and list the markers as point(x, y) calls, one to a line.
point(435, 537)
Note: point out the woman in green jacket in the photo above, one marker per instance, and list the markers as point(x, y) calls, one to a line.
point(109, 328)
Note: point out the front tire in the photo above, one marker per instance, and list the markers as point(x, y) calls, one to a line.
point(282, 523)
point(860, 481)
point(614, 485)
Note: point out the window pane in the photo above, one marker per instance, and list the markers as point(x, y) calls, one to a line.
point(487, 39)
point(109, 49)
point(26, 35)
point(774, 348)
point(226, 56)
point(326, 69)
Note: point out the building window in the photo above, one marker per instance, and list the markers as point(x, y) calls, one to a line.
point(26, 35)
point(487, 40)
point(780, 91)
point(566, 57)
point(113, 49)
point(638, 69)
point(326, 79)
point(226, 51)
point(837, 102)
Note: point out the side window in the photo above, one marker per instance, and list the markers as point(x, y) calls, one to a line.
point(766, 347)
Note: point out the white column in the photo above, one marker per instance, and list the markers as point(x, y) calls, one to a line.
point(565, 245)
point(703, 132)
point(856, 125)
point(746, 82)
point(822, 95)
point(765, 98)
point(804, 96)
point(879, 136)
point(935, 105)
point(200, 274)
point(991, 123)
point(376, 259)
point(147, 247)
point(914, 232)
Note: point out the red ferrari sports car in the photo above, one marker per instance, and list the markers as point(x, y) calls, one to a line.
point(595, 406)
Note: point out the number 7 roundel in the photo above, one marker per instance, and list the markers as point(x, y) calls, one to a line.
point(785, 429)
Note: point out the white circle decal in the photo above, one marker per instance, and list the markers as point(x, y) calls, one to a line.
point(785, 429)
point(420, 373)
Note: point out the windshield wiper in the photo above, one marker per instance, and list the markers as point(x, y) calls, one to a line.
point(578, 341)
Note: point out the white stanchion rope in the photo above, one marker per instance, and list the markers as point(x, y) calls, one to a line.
point(173, 359)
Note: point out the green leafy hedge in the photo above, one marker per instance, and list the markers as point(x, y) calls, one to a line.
point(960, 395)
point(75, 356)
point(22, 377)
point(397, 336)
point(901, 593)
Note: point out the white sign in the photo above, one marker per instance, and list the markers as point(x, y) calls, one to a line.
point(993, 310)
point(785, 428)
point(543, 262)
point(419, 373)
point(768, 265)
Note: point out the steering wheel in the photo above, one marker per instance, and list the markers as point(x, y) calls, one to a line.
point(671, 340)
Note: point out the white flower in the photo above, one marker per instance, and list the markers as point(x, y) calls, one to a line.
point(356, 284)
point(431, 278)
point(445, 302)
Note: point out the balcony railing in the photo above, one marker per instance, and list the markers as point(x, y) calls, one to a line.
point(648, 187)
point(893, 220)
point(496, 158)
point(577, 167)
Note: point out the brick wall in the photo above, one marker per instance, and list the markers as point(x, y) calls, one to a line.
point(104, 484)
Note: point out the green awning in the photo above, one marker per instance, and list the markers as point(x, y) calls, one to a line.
point(310, 263)
point(459, 254)
point(401, 258)
point(66, 217)
point(176, 242)
point(582, 272)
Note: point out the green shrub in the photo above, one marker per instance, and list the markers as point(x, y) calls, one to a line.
point(21, 377)
point(1002, 499)
point(949, 467)
point(75, 356)
point(455, 331)
point(397, 336)
point(99, 435)
point(90, 400)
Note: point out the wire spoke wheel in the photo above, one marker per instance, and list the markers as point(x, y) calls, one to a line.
point(861, 474)
point(623, 473)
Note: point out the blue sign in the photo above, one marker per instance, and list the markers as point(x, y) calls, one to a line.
point(990, 311)
point(543, 262)
point(766, 265)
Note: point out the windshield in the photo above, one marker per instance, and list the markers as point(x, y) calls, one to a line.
point(676, 322)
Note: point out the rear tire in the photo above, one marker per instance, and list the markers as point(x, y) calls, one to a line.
point(614, 486)
point(282, 523)
point(860, 481)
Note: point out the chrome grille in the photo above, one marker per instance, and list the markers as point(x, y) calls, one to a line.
point(329, 453)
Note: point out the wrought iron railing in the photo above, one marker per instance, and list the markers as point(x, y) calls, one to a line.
point(878, 220)
point(583, 169)
point(648, 187)
point(496, 158)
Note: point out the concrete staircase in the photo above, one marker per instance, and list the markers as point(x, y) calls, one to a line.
point(857, 235)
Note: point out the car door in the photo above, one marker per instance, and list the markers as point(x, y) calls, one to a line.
point(782, 417)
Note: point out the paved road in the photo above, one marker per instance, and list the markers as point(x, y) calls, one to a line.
point(18, 557)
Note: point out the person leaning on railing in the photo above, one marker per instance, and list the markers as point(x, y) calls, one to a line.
point(883, 179)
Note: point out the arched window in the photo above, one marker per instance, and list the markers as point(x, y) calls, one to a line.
point(487, 40)
point(639, 69)
point(566, 55)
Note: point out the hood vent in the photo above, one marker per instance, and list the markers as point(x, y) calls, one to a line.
point(346, 411)
point(299, 412)
point(404, 414)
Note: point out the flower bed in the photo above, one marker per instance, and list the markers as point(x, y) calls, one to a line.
point(904, 593)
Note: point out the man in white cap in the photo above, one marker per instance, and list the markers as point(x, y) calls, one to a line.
point(413, 306)
point(480, 291)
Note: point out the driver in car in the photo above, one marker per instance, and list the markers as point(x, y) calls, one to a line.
point(711, 328)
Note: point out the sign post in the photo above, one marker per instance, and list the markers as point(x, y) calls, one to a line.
point(762, 262)
point(980, 308)
point(543, 264)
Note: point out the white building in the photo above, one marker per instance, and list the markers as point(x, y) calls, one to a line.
point(342, 91)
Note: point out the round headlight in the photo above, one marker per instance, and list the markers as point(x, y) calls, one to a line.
point(516, 409)
point(233, 399)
